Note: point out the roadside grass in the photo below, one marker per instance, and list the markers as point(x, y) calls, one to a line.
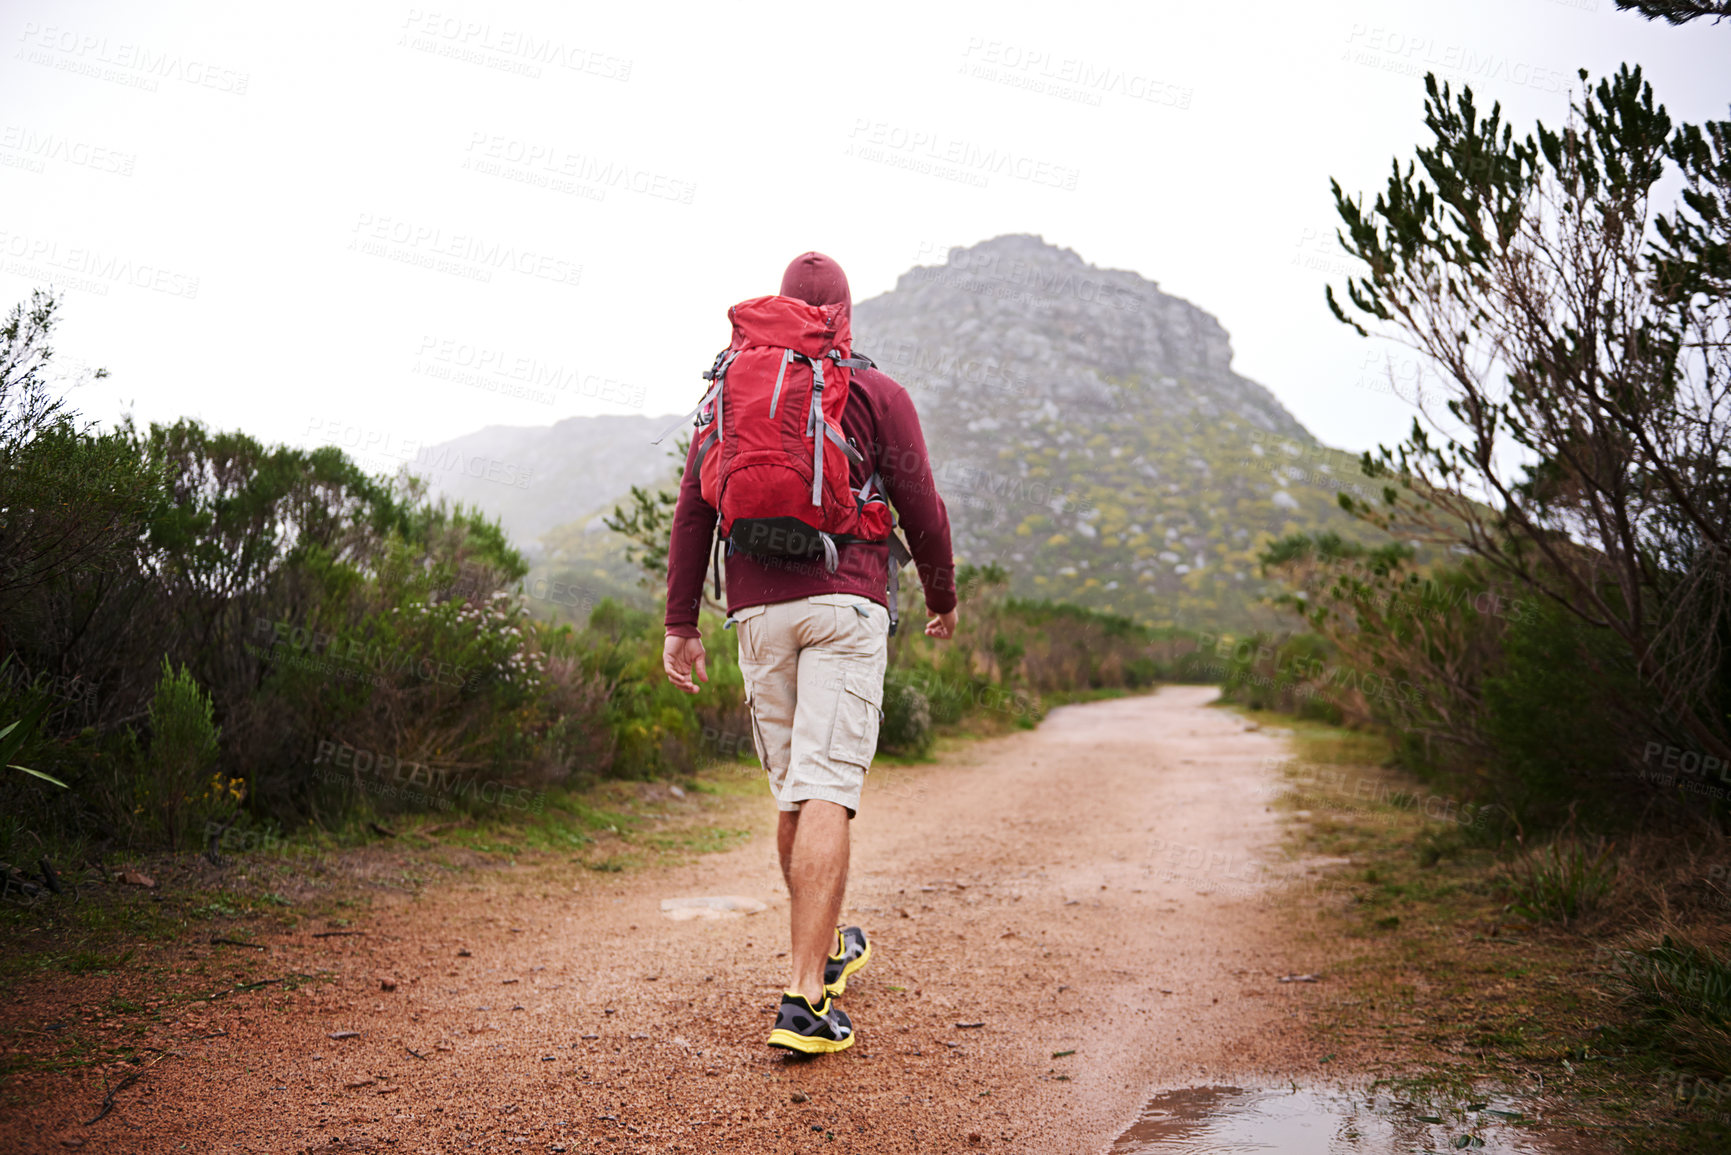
point(85, 976)
point(1462, 962)
point(1562, 881)
point(264, 883)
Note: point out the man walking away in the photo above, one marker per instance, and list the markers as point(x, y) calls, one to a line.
point(808, 549)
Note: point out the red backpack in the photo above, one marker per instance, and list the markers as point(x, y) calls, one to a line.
point(773, 461)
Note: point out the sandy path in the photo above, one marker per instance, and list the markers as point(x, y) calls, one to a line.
point(1034, 873)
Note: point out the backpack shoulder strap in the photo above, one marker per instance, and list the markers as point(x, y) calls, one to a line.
point(857, 361)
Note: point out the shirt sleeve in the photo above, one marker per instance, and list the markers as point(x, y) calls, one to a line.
point(688, 550)
point(906, 470)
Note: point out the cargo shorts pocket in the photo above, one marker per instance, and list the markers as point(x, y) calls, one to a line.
point(858, 713)
point(742, 619)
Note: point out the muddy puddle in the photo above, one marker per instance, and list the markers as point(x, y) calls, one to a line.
point(1223, 1120)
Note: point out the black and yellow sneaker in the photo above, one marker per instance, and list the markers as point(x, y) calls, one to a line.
point(851, 953)
point(811, 1030)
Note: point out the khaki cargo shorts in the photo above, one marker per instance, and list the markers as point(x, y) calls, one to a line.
point(814, 681)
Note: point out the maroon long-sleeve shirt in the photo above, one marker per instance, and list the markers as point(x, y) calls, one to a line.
point(881, 420)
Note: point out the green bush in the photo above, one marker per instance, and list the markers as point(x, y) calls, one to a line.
point(1557, 712)
point(313, 602)
point(947, 684)
point(1485, 690)
point(907, 721)
point(657, 729)
point(1140, 672)
point(178, 787)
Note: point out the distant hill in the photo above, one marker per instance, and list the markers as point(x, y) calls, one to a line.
point(546, 475)
point(1087, 431)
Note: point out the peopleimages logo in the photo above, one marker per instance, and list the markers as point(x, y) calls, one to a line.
point(387, 775)
point(375, 447)
point(543, 163)
point(15, 675)
point(290, 643)
point(477, 466)
point(1066, 77)
point(91, 269)
point(36, 148)
point(1415, 54)
point(504, 48)
point(1668, 766)
point(880, 140)
point(460, 254)
point(473, 363)
point(133, 65)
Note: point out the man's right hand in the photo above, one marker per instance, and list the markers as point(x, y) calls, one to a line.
point(942, 626)
point(678, 657)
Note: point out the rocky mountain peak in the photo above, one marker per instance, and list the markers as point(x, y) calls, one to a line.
point(1017, 320)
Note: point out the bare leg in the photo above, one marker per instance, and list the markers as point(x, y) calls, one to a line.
point(814, 855)
point(784, 835)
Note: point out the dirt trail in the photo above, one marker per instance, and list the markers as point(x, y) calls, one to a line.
point(1024, 884)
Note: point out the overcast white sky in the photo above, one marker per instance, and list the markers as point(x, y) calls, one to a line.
point(341, 222)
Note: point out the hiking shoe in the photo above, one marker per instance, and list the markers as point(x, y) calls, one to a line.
point(811, 1030)
point(851, 953)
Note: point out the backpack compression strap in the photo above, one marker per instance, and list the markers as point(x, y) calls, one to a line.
point(899, 556)
point(812, 425)
point(816, 421)
point(787, 356)
point(715, 559)
point(716, 373)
